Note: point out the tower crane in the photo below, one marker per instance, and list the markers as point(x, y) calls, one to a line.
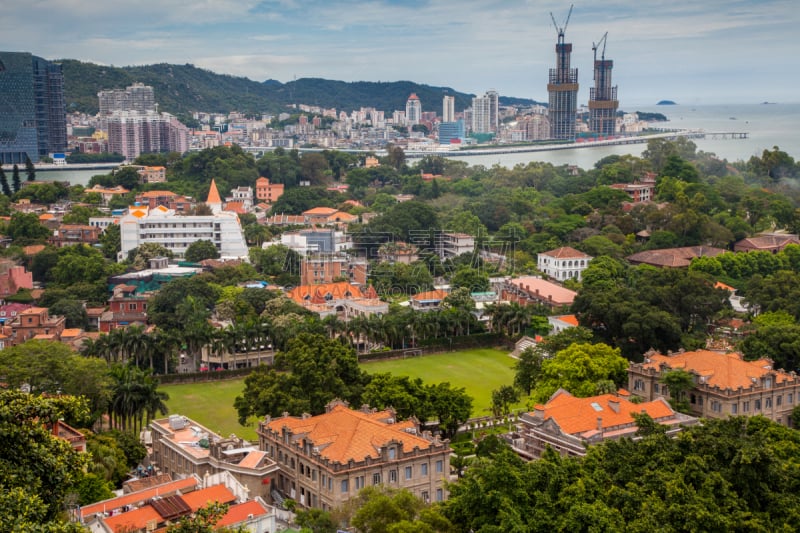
point(561, 29)
point(596, 46)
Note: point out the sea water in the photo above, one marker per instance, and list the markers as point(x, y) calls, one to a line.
point(767, 125)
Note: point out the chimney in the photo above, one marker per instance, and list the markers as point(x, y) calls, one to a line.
point(614, 405)
point(600, 424)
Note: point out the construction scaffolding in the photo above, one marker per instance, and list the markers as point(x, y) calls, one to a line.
point(603, 103)
point(562, 88)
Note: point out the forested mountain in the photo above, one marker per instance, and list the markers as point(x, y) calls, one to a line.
point(181, 89)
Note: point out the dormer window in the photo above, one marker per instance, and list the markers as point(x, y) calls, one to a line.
point(392, 453)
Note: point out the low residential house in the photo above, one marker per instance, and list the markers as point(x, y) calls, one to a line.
point(398, 252)
point(285, 220)
point(156, 508)
point(242, 196)
point(724, 384)
point(639, 192)
point(13, 277)
point(318, 268)
point(428, 300)
point(318, 215)
point(168, 199)
point(156, 174)
point(772, 242)
point(126, 307)
point(364, 308)
point(107, 193)
point(9, 312)
point(561, 322)
point(182, 447)
point(533, 290)
point(35, 322)
point(64, 431)
point(329, 296)
point(70, 234)
point(449, 245)
point(569, 425)
point(268, 192)
point(563, 263)
point(326, 459)
point(673, 257)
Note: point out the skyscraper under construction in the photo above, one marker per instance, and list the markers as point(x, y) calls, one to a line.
point(603, 101)
point(563, 88)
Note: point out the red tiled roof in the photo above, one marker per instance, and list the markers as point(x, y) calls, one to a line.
point(320, 211)
point(674, 257)
point(213, 494)
point(566, 252)
point(438, 294)
point(344, 434)
point(241, 512)
point(569, 319)
point(182, 485)
point(133, 520)
point(546, 290)
point(337, 291)
point(726, 371)
point(577, 416)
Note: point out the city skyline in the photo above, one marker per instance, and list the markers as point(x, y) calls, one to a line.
point(690, 52)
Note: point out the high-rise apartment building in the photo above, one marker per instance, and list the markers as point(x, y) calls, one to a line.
point(449, 109)
point(485, 113)
point(32, 112)
point(413, 110)
point(131, 133)
point(603, 101)
point(562, 88)
point(137, 97)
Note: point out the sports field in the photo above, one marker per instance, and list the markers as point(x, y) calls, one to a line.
point(478, 371)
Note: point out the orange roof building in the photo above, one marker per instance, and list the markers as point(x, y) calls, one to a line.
point(724, 384)
point(563, 263)
point(568, 424)
point(326, 459)
point(535, 290)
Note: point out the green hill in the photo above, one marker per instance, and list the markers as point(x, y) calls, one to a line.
point(181, 89)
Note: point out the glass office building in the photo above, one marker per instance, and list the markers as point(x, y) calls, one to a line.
point(32, 112)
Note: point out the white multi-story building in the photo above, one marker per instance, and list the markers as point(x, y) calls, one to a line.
point(449, 109)
point(413, 110)
point(485, 116)
point(563, 263)
point(176, 232)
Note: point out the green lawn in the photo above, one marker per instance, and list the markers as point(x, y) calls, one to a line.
point(211, 404)
point(478, 371)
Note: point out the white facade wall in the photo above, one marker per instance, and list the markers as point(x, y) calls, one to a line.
point(176, 233)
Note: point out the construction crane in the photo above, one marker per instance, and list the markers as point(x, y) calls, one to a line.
point(561, 30)
point(596, 46)
point(602, 70)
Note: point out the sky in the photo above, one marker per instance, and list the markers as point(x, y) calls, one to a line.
point(689, 51)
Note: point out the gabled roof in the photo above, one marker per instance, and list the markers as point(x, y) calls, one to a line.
point(343, 434)
point(320, 211)
point(213, 494)
point(569, 319)
point(586, 416)
point(133, 520)
point(674, 257)
point(723, 370)
point(430, 296)
point(767, 242)
point(182, 485)
point(540, 288)
point(324, 292)
point(241, 512)
point(566, 252)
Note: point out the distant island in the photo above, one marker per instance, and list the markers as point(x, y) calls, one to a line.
point(651, 117)
point(767, 103)
point(666, 102)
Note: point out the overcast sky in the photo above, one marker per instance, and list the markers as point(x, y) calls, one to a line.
point(690, 51)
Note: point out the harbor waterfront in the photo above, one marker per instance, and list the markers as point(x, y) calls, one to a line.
point(766, 125)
